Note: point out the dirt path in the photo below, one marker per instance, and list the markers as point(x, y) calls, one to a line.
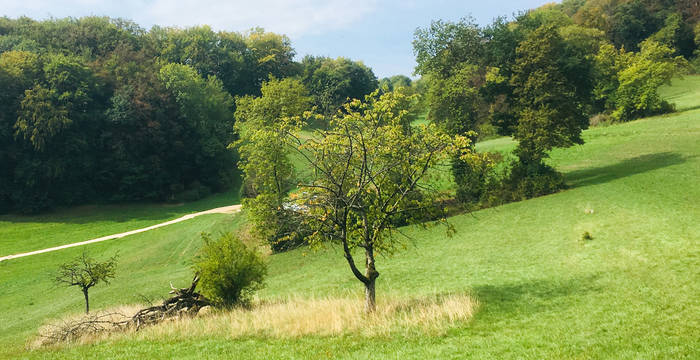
point(222, 210)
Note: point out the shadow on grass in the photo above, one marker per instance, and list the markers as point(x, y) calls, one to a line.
point(533, 296)
point(627, 167)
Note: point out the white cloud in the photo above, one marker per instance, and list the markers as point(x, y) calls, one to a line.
point(291, 17)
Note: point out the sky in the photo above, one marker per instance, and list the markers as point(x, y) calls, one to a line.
point(379, 33)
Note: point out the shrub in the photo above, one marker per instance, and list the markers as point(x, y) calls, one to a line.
point(525, 182)
point(475, 177)
point(230, 272)
point(601, 119)
point(278, 225)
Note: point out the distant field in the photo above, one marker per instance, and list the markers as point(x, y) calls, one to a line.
point(19, 233)
point(684, 93)
point(629, 293)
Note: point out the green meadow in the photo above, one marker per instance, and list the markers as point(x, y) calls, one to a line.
point(630, 292)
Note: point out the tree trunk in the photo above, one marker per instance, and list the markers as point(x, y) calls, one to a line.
point(371, 276)
point(370, 302)
point(87, 303)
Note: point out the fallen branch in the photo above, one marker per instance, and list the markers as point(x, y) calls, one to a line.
point(185, 302)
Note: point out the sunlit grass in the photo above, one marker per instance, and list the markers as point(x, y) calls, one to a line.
point(543, 291)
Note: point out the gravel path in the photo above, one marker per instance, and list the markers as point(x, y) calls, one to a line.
point(222, 210)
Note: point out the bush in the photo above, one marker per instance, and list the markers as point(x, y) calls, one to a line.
point(475, 177)
point(601, 119)
point(230, 272)
point(523, 182)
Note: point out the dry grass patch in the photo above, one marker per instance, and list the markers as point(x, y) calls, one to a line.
point(326, 317)
point(85, 328)
point(295, 317)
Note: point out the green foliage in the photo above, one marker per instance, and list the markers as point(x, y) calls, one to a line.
point(454, 100)
point(370, 173)
point(332, 82)
point(631, 23)
point(551, 115)
point(444, 45)
point(677, 35)
point(265, 161)
point(230, 271)
point(527, 181)
point(41, 117)
point(207, 108)
point(646, 71)
point(96, 109)
point(395, 82)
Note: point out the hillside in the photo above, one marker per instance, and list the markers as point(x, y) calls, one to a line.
point(630, 292)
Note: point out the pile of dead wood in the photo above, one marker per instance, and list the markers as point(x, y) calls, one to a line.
point(185, 302)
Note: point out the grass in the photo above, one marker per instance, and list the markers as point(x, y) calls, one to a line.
point(19, 233)
point(630, 292)
point(683, 92)
point(297, 317)
point(147, 263)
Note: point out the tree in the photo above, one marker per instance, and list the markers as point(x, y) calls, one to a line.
point(550, 112)
point(268, 171)
point(631, 23)
point(370, 174)
point(676, 34)
point(639, 81)
point(444, 45)
point(454, 103)
point(332, 82)
point(85, 272)
point(207, 111)
point(395, 82)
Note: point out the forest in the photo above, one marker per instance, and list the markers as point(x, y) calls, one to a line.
point(100, 110)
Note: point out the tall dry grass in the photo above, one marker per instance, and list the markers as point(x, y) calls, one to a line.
point(296, 317)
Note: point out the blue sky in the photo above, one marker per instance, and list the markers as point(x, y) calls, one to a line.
point(377, 32)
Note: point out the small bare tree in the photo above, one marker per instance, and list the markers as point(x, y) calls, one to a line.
point(85, 272)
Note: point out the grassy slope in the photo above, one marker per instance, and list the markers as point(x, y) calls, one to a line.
point(684, 93)
point(631, 292)
point(63, 226)
point(147, 262)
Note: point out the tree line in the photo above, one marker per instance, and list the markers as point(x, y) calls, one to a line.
point(544, 75)
point(100, 109)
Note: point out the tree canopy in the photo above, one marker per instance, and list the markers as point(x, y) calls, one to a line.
point(100, 109)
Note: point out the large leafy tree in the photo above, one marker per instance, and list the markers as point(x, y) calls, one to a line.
point(265, 160)
point(332, 82)
point(631, 23)
point(19, 70)
point(207, 109)
point(640, 77)
point(451, 55)
point(550, 112)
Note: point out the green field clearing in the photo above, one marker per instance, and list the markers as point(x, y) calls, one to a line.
point(683, 93)
point(24, 233)
point(630, 293)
